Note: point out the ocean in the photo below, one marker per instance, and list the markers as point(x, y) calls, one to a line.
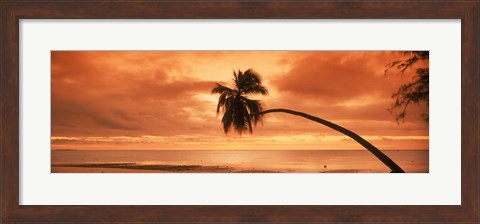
point(221, 161)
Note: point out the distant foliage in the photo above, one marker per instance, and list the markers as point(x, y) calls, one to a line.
point(416, 91)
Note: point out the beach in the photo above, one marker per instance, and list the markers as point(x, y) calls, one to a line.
point(231, 161)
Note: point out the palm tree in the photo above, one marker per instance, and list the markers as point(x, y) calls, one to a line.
point(240, 112)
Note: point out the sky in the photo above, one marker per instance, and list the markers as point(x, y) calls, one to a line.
point(161, 100)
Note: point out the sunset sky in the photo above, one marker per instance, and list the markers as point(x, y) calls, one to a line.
point(161, 100)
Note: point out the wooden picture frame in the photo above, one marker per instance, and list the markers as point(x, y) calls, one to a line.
point(12, 11)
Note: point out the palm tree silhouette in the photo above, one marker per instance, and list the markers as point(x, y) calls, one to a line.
point(240, 112)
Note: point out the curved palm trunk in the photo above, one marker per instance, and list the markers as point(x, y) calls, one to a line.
point(380, 155)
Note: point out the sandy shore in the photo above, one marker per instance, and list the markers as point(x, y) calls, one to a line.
point(56, 169)
point(136, 168)
point(131, 167)
point(139, 168)
point(65, 169)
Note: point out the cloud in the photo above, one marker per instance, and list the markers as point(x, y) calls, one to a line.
point(337, 76)
point(103, 95)
point(92, 95)
point(108, 122)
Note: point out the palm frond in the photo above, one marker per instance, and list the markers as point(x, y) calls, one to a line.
point(238, 117)
point(227, 119)
point(254, 108)
point(221, 89)
point(239, 112)
point(253, 76)
point(222, 100)
point(249, 78)
point(255, 89)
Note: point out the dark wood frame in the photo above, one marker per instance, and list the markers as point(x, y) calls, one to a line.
point(12, 11)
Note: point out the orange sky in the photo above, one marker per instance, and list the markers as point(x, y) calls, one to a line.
point(162, 100)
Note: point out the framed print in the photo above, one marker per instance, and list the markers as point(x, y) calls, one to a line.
point(130, 112)
point(100, 139)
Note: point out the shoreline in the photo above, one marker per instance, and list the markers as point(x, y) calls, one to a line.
point(147, 168)
point(139, 168)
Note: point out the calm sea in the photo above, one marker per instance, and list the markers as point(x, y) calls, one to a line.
point(295, 161)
